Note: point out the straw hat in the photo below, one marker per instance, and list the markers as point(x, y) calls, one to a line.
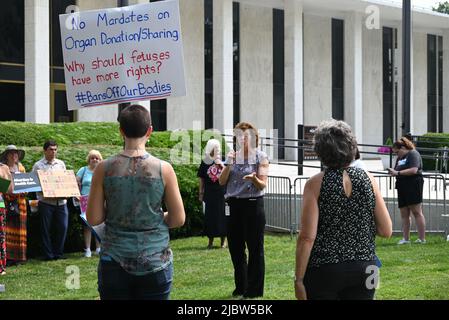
point(12, 148)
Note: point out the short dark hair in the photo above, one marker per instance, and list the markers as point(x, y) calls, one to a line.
point(335, 143)
point(135, 121)
point(50, 143)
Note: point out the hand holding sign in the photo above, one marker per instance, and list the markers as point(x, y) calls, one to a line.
point(123, 54)
point(58, 183)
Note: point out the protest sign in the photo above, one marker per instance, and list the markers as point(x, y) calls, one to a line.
point(58, 183)
point(122, 54)
point(26, 182)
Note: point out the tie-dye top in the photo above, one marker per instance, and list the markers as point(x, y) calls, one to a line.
point(136, 235)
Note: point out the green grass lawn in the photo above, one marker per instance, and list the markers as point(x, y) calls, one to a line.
point(408, 272)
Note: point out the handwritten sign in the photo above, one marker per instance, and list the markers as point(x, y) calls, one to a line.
point(26, 182)
point(123, 54)
point(58, 183)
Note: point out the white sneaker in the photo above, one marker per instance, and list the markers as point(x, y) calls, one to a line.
point(97, 251)
point(419, 241)
point(403, 241)
point(87, 253)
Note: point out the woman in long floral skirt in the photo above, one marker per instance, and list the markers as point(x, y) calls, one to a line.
point(4, 174)
point(16, 224)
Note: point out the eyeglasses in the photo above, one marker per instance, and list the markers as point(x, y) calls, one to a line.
point(95, 158)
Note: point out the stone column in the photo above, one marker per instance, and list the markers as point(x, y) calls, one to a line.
point(354, 74)
point(223, 65)
point(37, 61)
point(294, 91)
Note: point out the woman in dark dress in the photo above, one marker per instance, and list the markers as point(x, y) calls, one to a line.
point(212, 194)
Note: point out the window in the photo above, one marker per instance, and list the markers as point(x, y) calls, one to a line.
point(278, 77)
point(12, 31)
point(57, 7)
point(236, 60)
point(388, 84)
point(13, 100)
point(434, 83)
point(338, 65)
point(208, 65)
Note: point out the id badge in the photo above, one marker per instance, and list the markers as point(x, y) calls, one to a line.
point(227, 210)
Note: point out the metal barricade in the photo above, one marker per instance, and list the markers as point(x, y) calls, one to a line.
point(277, 203)
point(283, 203)
point(298, 190)
point(434, 202)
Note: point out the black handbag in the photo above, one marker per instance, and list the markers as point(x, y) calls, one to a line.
point(12, 208)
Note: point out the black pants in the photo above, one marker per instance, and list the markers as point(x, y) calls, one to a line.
point(57, 216)
point(246, 229)
point(342, 281)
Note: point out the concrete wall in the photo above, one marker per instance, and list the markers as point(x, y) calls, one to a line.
point(372, 86)
point(256, 65)
point(182, 112)
point(419, 106)
point(317, 69)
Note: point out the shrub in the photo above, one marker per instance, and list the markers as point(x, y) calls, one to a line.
point(75, 140)
point(435, 141)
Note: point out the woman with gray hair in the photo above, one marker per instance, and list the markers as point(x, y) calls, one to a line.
point(343, 210)
point(212, 193)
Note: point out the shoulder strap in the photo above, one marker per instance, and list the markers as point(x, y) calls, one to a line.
point(84, 173)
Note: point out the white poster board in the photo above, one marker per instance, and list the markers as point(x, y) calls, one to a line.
point(122, 54)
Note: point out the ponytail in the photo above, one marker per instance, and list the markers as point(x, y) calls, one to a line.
point(404, 142)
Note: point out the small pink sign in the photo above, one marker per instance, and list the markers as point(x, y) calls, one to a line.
point(83, 204)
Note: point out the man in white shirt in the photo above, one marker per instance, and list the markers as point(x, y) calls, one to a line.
point(52, 210)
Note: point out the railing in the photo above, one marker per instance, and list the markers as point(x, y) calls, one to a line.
point(433, 205)
point(304, 150)
point(277, 202)
point(283, 203)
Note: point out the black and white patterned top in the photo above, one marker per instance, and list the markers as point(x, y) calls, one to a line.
point(346, 227)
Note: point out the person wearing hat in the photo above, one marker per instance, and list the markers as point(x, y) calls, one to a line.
point(16, 222)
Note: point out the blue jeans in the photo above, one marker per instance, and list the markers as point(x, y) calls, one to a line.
point(114, 283)
point(58, 218)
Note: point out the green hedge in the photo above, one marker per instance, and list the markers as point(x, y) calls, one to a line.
point(435, 141)
point(76, 139)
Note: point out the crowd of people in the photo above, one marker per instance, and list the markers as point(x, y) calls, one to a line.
point(137, 197)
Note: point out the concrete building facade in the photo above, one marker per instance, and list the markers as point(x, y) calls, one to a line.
point(274, 63)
